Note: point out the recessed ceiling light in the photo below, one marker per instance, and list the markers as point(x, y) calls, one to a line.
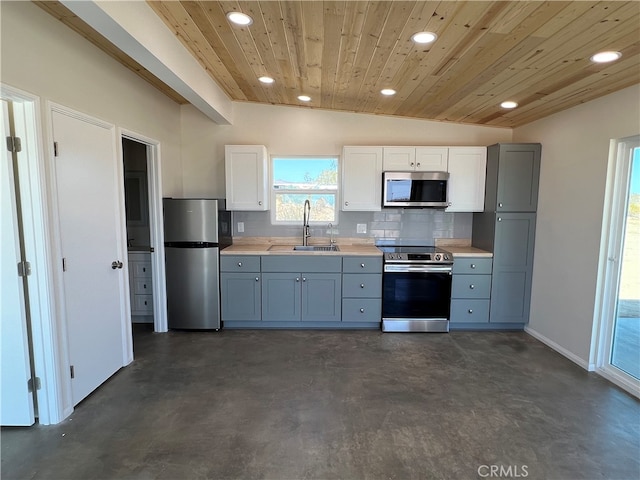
point(605, 57)
point(239, 18)
point(509, 104)
point(304, 98)
point(424, 37)
point(266, 79)
point(388, 91)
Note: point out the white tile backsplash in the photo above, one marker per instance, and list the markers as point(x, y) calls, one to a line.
point(417, 226)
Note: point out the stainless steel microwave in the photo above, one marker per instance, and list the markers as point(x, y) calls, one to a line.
point(415, 189)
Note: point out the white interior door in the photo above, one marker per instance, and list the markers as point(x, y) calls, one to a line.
point(16, 401)
point(90, 229)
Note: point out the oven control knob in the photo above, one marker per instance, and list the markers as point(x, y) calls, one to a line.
point(438, 257)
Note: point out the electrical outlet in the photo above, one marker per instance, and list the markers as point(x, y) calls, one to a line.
point(240, 227)
point(361, 228)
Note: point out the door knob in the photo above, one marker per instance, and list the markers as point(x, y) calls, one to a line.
point(116, 264)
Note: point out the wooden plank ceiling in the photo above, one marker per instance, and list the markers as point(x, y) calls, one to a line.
point(342, 53)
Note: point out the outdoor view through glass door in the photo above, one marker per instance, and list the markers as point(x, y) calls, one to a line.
point(625, 349)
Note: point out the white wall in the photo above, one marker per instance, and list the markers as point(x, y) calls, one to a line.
point(305, 131)
point(575, 148)
point(46, 58)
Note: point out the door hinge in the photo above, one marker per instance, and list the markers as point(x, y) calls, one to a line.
point(73, 372)
point(14, 144)
point(55, 149)
point(33, 384)
point(24, 269)
point(64, 264)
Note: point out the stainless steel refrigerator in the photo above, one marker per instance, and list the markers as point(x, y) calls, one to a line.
point(194, 232)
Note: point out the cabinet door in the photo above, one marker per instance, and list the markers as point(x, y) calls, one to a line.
point(512, 267)
point(432, 159)
point(321, 297)
point(281, 297)
point(467, 172)
point(518, 177)
point(246, 177)
point(399, 158)
point(240, 296)
point(362, 179)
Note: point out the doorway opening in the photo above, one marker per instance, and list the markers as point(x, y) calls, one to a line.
point(144, 226)
point(619, 335)
point(139, 249)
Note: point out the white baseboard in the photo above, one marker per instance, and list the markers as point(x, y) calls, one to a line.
point(561, 350)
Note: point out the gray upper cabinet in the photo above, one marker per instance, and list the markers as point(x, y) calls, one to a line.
point(513, 172)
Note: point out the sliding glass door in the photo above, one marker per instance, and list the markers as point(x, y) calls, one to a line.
point(625, 351)
point(619, 352)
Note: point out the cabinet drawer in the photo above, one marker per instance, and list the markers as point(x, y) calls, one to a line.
point(362, 264)
point(361, 310)
point(142, 286)
point(141, 269)
point(302, 263)
point(469, 311)
point(471, 286)
point(142, 304)
point(239, 263)
point(362, 285)
point(472, 265)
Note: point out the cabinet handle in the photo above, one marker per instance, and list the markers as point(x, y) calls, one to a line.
point(346, 204)
point(500, 204)
point(472, 286)
point(362, 265)
point(362, 310)
point(473, 265)
point(418, 163)
point(144, 285)
point(471, 310)
point(260, 202)
point(144, 269)
point(362, 285)
point(257, 279)
point(411, 164)
point(499, 219)
point(145, 302)
point(297, 279)
point(304, 279)
point(239, 264)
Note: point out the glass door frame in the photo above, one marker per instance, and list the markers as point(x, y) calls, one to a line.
point(610, 264)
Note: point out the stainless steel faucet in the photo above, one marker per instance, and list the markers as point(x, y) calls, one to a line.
point(306, 213)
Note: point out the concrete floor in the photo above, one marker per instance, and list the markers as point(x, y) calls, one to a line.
point(348, 405)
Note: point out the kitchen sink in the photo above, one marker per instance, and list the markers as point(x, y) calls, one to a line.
point(304, 248)
point(317, 248)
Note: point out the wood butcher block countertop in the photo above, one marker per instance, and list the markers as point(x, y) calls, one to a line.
point(467, 252)
point(284, 246)
point(461, 248)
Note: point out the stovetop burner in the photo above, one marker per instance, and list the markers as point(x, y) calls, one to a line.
point(415, 254)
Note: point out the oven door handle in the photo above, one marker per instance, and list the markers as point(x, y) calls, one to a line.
point(392, 268)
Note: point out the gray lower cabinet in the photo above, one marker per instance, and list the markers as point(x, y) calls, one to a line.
point(240, 287)
point(362, 289)
point(512, 267)
point(470, 292)
point(301, 289)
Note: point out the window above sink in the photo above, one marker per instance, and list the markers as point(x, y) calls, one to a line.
point(296, 179)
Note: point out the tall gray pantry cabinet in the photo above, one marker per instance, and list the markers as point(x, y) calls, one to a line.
point(507, 228)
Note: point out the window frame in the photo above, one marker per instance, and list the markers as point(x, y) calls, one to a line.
point(273, 192)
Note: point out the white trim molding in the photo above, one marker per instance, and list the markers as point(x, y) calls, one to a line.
point(561, 350)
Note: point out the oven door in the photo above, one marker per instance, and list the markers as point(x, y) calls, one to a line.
point(421, 292)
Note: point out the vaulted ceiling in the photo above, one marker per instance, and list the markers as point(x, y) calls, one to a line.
point(342, 53)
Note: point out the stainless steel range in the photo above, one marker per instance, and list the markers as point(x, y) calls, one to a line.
point(416, 289)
